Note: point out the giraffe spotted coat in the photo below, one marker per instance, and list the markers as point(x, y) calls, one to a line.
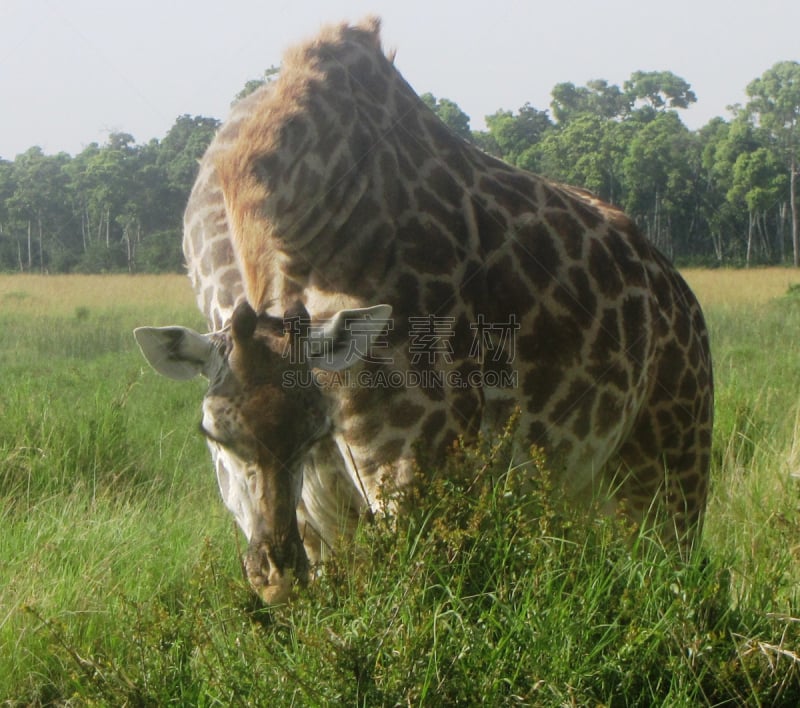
point(335, 190)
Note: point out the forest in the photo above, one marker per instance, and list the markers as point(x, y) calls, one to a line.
point(724, 194)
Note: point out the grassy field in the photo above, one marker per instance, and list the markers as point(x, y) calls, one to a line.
point(120, 584)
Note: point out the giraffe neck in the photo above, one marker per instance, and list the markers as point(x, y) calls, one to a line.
point(311, 182)
point(211, 262)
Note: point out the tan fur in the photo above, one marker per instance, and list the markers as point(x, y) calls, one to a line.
point(246, 193)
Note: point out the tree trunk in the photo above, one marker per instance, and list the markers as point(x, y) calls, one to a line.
point(30, 251)
point(763, 235)
point(85, 227)
point(41, 250)
point(669, 245)
point(126, 236)
point(782, 232)
point(656, 224)
point(749, 238)
point(793, 203)
point(716, 240)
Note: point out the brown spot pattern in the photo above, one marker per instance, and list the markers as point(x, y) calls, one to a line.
point(613, 341)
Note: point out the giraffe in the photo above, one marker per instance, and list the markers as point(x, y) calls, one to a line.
point(339, 232)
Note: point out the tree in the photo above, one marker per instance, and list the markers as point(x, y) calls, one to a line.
point(659, 173)
point(775, 104)
point(597, 98)
point(79, 193)
point(110, 176)
point(514, 134)
point(660, 89)
point(181, 149)
point(267, 77)
point(720, 192)
point(715, 211)
point(757, 182)
point(9, 255)
point(587, 152)
point(39, 205)
point(450, 114)
point(740, 172)
point(112, 206)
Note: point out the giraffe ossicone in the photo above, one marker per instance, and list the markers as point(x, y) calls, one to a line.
point(338, 231)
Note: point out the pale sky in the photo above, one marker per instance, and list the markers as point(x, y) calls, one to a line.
point(71, 71)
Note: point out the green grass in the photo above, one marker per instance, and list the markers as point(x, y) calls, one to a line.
point(120, 582)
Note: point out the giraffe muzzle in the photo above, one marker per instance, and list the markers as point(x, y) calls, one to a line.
point(274, 568)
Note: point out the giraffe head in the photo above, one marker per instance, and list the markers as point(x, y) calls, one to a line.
point(264, 411)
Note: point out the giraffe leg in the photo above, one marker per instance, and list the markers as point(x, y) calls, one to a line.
point(666, 458)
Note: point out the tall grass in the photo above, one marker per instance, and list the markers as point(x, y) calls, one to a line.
point(120, 583)
point(95, 489)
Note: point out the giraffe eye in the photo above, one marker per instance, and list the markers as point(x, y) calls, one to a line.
point(223, 346)
point(233, 439)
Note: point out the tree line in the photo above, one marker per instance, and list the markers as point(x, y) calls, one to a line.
point(113, 207)
point(723, 194)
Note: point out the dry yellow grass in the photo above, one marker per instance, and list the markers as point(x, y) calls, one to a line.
point(754, 286)
point(63, 294)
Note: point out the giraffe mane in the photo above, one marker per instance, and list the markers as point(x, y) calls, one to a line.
point(254, 156)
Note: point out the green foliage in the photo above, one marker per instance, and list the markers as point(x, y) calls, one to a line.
point(659, 170)
point(180, 151)
point(113, 207)
point(450, 114)
point(661, 89)
point(715, 195)
point(775, 103)
point(775, 98)
point(513, 134)
point(252, 85)
point(597, 98)
point(588, 151)
point(757, 179)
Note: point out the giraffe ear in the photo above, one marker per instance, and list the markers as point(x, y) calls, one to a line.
point(347, 338)
point(175, 352)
